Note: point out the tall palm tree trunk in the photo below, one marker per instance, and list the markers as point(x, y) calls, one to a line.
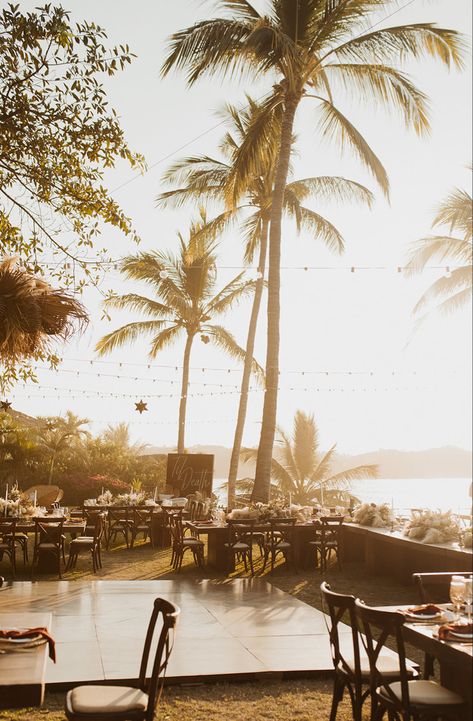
point(249, 354)
point(51, 468)
point(261, 488)
point(184, 389)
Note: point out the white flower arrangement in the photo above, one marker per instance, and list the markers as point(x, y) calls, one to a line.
point(17, 505)
point(433, 527)
point(467, 538)
point(129, 499)
point(376, 516)
point(105, 498)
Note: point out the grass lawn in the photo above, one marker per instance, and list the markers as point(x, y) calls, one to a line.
point(300, 699)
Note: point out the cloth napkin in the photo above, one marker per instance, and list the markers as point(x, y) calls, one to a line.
point(31, 633)
point(446, 628)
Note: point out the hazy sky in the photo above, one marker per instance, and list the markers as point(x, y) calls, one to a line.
point(367, 379)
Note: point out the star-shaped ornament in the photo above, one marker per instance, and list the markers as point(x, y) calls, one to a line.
point(140, 407)
point(5, 405)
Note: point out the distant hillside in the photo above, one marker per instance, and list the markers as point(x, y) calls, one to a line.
point(446, 462)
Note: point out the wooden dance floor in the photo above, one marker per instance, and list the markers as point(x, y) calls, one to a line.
point(237, 628)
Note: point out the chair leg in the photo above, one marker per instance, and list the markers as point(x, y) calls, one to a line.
point(337, 696)
point(250, 556)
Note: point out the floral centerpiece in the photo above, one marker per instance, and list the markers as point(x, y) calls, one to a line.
point(433, 527)
point(466, 537)
point(133, 498)
point(374, 515)
point(105, 498)
point(19, 505)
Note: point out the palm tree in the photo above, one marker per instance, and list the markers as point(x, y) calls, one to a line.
point(299, 469)
point(207, 179)
point(184, 288)
point(309, 47)
point(60, 435)
point(454, 289)
point(119, 435)
point(32, 312)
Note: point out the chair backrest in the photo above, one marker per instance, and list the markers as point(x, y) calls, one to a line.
point(118, 516)
point(170, 614)
point(241, 531)
point(141, 516)
point(99, 526)
point(378, 626)
point(8, 526)
point(90, 520)
point(331, 527)
point(192, 508)
point(337, 606)
point(176, 527)
point(48, 530)
point(202, 511)
point(281, 530)
point(434, 587)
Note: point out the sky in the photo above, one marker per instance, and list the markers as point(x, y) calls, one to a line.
point(349, 353)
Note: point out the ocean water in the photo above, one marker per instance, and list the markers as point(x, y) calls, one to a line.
point(406, 493)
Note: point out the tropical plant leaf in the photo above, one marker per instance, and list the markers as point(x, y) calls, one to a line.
point(127, 334)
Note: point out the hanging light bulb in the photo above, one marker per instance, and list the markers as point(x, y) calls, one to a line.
point(448, 273)
point(163, 274)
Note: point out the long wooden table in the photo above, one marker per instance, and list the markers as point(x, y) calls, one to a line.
point(22, 674)
point(384, 551)
point(219, 558)
point(455, 659)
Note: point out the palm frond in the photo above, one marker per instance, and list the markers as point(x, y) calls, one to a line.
point(252, 229)
point(210, 47)
point(353, 474)
point(223, 339)
point(460, 279)
point(305, 442)
point(331, 188)
point(235, 291)
point(284, 446)
point(456, 211)
point(163, 339)
point(439, 248)
point(126, 334)
point(391, 87)
point(416, 40)
point(313, 223)
point(239, 9)
point(322, 469)
point(336, 126)
point(133, 301)
point(148, 267)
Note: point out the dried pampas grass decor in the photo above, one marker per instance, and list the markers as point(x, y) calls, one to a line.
point(32, 312)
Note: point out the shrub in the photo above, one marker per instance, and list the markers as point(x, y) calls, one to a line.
point(79, 487)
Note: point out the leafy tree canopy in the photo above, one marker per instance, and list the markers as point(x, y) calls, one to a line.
point(57, 137)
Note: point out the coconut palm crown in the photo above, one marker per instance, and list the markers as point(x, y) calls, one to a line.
point(298, 468)
point(310, 49)
point(453, 290)
point(186, 303)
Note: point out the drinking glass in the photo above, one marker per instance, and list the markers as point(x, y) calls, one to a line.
point(468, 596)
point(457, 594)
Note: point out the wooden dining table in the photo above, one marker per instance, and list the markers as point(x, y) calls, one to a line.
point(22, 674)
point(217, 536)
point(455, 659)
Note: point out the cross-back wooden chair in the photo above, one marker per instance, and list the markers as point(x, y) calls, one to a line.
point(279, 540)
point(140, 523)
point(119, 524)
point(180, 543)
point(405, 699)
point(131, 703)
point(327, 540)
point(240, 541)
point(49, 539)
point(88, 543)
point(8, 539)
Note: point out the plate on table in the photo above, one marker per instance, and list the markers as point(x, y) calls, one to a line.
point(9, 645)
point(428, 612)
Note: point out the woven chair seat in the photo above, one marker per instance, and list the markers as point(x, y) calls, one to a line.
point(239, 546)
point(426, 693)
point(82, 541)
point(386, 665)
point(279, 546)
point(192, 542)
point(107, 700)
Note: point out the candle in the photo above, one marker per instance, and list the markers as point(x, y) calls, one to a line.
point(35, 500)
point(290, 500)
point(155, 497)
point(102, 490)
point(6, 492)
